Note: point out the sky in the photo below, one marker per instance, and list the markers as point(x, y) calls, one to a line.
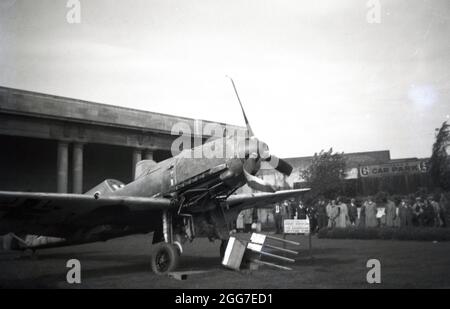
point(311, 75)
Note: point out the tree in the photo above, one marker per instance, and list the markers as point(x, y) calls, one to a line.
point(326, 174)
point(440, 161)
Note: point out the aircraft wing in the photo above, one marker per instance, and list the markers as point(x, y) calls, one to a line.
point(251, 200)
point(54, 214)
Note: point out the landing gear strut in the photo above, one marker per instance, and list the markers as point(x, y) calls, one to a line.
point(166, 255)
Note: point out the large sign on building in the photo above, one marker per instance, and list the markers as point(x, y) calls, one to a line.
point(394, 168)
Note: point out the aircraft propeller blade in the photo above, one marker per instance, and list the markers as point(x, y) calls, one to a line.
point(280, 165)
point(247, 123)
point(251, 166)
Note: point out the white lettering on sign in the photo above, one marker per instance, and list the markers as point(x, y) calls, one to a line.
point(411, 167)
point(296, 226)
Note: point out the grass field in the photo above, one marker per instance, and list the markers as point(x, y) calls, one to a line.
point(124, 263)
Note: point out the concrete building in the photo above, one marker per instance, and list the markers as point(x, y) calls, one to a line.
point(57, 144)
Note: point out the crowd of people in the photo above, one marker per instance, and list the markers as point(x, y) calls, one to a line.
point(406, 211)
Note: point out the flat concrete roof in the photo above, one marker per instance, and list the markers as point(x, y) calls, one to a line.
point(353, 158)
point(16, 101)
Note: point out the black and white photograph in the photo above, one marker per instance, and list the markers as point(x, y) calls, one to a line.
point(240, 145)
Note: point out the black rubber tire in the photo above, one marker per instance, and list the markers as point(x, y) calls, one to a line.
point(223, 247)
point(165, 258)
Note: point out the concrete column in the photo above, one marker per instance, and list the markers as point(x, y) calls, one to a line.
point(137, 156)
point(148, 155)
point(62, 166)
point(77, 168)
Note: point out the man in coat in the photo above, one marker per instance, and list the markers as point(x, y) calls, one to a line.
point(342, 219)
point(391, 213)
point(332, 213)
point(370, 213)
point(405, 213)
point(418, 212)
point(278, 217)
point(248, 220)
point(322, 214)
point(352, 212)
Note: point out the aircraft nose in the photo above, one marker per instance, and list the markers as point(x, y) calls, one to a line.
point(263, 150)
point(254, 146)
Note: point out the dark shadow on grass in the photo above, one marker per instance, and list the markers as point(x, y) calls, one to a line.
point(54, 255)
point(321, 251)
point(320, 261)
point(132, 266)
point(199, 263)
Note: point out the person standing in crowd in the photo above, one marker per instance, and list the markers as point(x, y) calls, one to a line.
point(428, 213)
point(332, 214)
point(285, 213)
point(301, 211)
point(248, 220)
point(352, 212)
point(278, 217)
point(311, 211)
point(405, 213)
point(255, 219)
point(436, 212)
point(328, 211)
point(417, 212)
point(240, 222)
point(322, 213)
point(362, 216)
point(391, 212)
point(287, 209)
point(370, 210)
point(342, 214)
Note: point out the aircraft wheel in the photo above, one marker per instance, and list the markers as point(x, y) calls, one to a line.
point(165, 258)
point(223, 247)
point(30, 253)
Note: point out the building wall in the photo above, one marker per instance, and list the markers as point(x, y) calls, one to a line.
point(29, 164)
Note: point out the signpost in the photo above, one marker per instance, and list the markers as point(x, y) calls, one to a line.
point(298, 226)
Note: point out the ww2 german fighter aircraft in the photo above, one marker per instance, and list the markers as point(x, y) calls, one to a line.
point(177, 199)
